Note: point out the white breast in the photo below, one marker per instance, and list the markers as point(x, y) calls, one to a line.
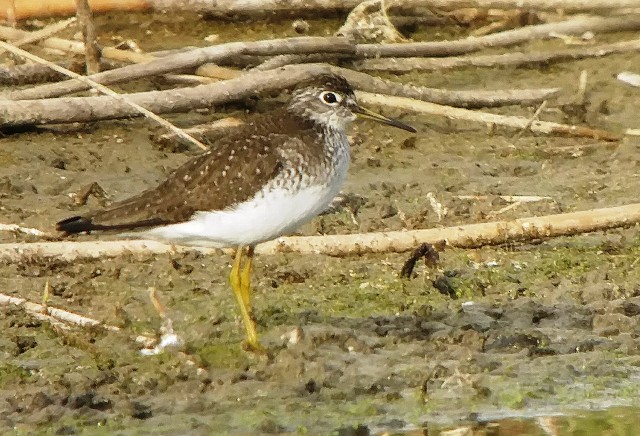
point(273, 212)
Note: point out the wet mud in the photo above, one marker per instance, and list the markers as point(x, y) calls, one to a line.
point(498, 340)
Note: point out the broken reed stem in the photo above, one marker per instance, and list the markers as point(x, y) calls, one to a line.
point(461, 236)
point(536, 126)
point(119, 97)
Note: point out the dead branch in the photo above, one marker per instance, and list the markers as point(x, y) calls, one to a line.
point(190, 59)
point(404, 65)
point(575, 26)
point(84, 109)
point(35, 73)
point(536, 126)
point(475, 98)
point(462, 236)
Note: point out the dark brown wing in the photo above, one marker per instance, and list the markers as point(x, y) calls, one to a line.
point(229, 174)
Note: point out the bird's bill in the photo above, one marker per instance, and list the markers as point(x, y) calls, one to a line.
point(367, 114)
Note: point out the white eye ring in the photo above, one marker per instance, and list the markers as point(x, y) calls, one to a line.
point(331, 98)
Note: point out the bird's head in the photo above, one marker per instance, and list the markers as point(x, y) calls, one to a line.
point(329, 100)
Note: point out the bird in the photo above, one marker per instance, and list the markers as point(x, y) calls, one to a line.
point(274, 173)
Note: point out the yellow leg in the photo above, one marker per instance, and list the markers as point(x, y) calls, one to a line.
point(241, 289)
point(245, 280)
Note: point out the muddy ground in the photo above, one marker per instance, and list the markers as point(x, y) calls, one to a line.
point(544, 334)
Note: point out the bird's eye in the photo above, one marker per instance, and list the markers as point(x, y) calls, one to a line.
point(330, 98)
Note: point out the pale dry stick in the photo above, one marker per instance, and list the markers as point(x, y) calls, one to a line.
point(190, 59)
point(45, 32)
point(405, 65)
point(84, 109)
point(462, 236)
point(507, 208)
point(19, 229)
point(91, 51)
point(545, 127)
point(187, 79)
point(60, 316)
point(119, 97)
point(201, 130)
point(534, 117)
point(581, 96)
point(507, 198)
point(47, 313)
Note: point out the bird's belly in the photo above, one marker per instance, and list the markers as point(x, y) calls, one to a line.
point(264, 217)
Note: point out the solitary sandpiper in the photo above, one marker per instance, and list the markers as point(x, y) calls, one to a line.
point(275, 173)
